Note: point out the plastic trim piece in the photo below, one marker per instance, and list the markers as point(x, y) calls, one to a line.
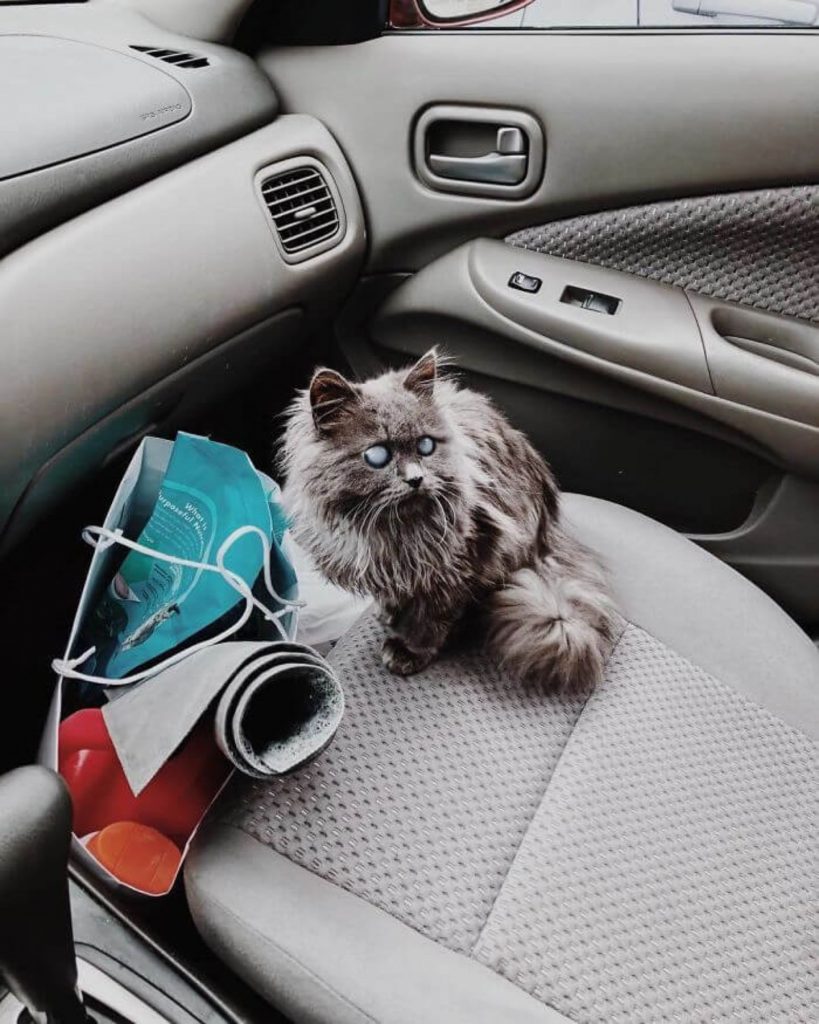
point(778, 546)
point(654, 330)
point(217, 104)
point(98, 990)
point(760, 359)
point(200, 268)
point(121, 98)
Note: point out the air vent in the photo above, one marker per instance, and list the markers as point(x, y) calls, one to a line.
point(177, 57)
point(303, 208)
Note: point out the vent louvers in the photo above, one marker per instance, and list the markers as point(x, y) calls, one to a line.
point(178, 57)
point(302, 208)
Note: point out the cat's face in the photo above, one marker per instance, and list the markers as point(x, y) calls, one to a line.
point(383, 445)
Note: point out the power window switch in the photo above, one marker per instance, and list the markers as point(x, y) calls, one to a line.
point(598, 303)
point(524, 282)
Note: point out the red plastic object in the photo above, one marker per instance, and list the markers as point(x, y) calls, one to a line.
point(137, 855)
point(173, 803)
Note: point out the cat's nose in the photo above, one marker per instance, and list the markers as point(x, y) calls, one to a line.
point(413, 476)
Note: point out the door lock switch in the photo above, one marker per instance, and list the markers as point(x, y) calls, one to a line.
point(524, 282)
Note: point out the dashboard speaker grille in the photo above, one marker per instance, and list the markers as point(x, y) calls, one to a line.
point(178, 57)
point(302, 208)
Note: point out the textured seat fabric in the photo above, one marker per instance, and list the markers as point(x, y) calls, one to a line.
point(470, 849)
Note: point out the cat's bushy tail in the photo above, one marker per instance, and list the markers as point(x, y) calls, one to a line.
point(554, 624)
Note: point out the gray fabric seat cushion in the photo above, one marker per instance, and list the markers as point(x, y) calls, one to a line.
point(472, 850)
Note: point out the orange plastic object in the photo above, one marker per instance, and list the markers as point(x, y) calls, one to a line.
point(175, 800)
point(137, 855)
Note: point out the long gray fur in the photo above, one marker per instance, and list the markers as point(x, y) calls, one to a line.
point(476, 541)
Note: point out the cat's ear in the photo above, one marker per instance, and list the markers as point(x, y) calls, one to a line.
point(421, 378)
point(332, 398)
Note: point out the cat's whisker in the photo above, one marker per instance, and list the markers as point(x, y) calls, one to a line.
point(364, 550)
point(444, 521)
point(448, 507)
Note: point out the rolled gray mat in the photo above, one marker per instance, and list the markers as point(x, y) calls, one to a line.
point(277, 705)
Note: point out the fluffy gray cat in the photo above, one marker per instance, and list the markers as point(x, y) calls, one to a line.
point(420, 493)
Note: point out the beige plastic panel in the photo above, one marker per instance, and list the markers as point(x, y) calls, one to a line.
point(121, 98)
point(452, 287)
point(653, 329)
point(626, 116)
point(778, 546)
point(106, 306)
point(228, 99)
point(216, 20)
point(766, 361)
point(171, 404)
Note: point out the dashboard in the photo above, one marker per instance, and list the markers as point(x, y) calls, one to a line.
point(156, 243)
point(104, 100)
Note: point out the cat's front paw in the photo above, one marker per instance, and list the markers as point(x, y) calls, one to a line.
point(387, 614)
point(400, 660)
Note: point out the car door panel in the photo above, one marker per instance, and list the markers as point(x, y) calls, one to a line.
point(679, 180)
point(665, 349)
point(627, 117)
point(652, 343)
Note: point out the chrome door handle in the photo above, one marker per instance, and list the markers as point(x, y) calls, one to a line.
point(506, 166)
point(497, 168)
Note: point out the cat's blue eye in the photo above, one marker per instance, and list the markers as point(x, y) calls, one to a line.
point(425, 445)
point(377, 456)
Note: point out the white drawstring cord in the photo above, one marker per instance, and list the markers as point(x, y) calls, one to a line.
point(99, 537)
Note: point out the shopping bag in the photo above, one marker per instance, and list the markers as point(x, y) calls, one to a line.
point(190, 554)
point(199, 526)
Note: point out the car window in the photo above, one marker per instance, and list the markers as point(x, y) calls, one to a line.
point(542, 14)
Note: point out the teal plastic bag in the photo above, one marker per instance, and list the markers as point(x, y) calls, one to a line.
point(212, 509)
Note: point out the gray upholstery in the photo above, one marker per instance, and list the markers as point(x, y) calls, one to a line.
point(666, 875)
point(759, 248)
point(324, 956)
point(471, 851)
point(424, 797)
point(703, 609)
